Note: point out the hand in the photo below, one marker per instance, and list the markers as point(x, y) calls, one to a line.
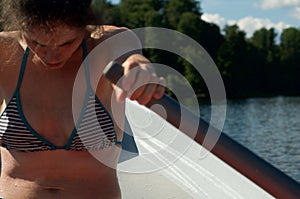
point(140, 81)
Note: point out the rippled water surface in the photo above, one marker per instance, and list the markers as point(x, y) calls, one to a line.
point(270, 127)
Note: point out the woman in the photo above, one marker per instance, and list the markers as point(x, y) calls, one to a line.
point(44, 152)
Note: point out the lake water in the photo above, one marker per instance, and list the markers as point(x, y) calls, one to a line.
point(270, 127)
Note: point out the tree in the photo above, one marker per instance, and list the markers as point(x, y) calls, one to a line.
point(106, 13)
point(136, 13)
point(236, 63)
point(290, 45)
point(174, 10)
point(264, 41)
point(208, 36)
point(290, 59)
point(267, 52)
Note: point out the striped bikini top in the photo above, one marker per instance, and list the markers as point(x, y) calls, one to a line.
point(93, 130)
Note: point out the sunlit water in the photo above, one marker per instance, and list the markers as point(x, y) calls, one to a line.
point(270, 127)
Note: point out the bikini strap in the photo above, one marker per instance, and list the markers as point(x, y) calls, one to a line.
point(86, 63)
point(23, 66)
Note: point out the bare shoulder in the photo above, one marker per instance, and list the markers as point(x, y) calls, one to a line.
point(8, 38)
point(8, 47)
point(9, 44)
point(125, 40)
point(103, 32)
point(10, 50)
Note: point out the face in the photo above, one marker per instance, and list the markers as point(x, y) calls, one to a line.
point(53, 48)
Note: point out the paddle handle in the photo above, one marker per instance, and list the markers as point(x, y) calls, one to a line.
point(234, 154)
point(113, 72)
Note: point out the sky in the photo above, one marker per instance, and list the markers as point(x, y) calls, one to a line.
point(251, 15)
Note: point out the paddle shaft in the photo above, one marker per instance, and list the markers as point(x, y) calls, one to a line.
point(262, 173)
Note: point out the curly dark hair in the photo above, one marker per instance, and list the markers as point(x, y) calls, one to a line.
point(23, 14)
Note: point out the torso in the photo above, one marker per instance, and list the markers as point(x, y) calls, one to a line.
point(56, 174)
point(51, 174)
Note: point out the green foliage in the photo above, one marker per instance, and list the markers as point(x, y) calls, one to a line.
point(174, 9)
point(189, 24)
point(136, 13)
point(289, 60)
point(106, 13)
point(264, 41)
point(290, 45)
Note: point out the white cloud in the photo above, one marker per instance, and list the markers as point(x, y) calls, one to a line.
point(214, 18)
point(247, 24)
point(251, 24)
point(292, 5)
point(296, 13)
point(273, 4)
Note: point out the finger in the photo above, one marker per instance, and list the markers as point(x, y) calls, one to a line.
point(130, 76)
point(147, 94)
point(160, 89)
point(120, 94)
point(159, 92)
point(135, 94)
point(138, 86)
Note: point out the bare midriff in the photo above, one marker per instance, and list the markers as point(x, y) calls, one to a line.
point(56, 174)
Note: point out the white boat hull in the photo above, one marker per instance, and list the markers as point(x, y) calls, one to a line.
point(170, 165)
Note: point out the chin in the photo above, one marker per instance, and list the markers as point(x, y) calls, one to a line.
point(49, 66)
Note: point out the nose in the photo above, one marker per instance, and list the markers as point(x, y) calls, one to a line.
point(51, 54)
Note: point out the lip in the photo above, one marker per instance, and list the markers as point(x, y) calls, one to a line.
point(54, 65)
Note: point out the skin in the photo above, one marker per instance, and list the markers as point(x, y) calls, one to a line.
point(46, 99)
